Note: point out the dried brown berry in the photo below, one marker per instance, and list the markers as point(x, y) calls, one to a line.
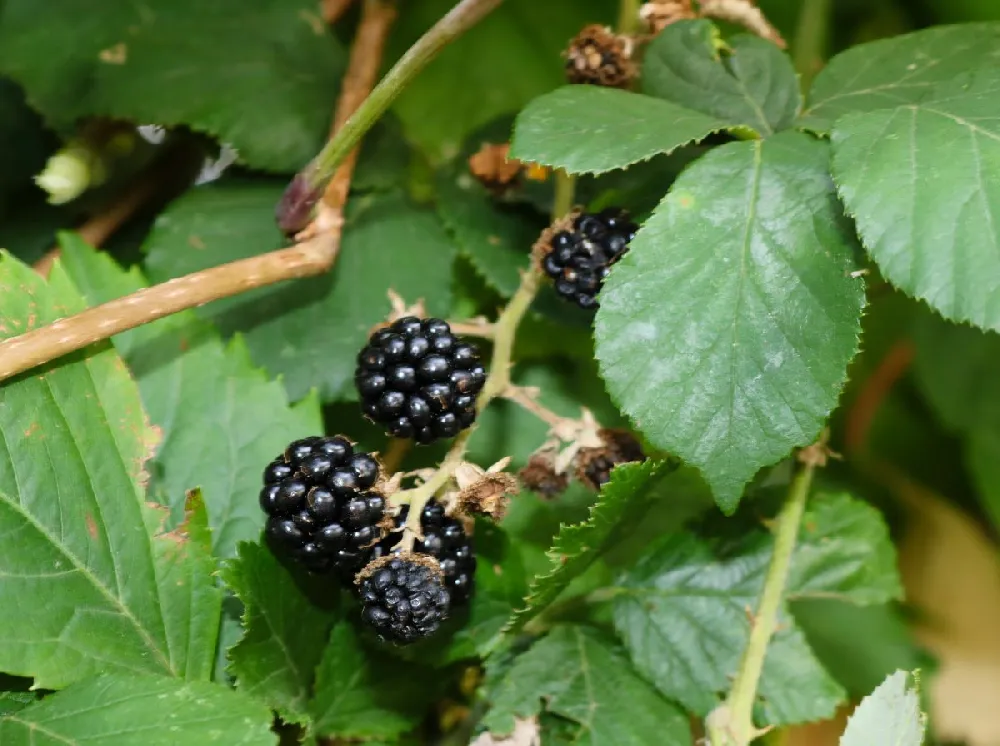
point(594, 465)
point(540, 475)
point(598, 56)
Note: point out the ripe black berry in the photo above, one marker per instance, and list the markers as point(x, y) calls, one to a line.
point(444, 539)
point(322, 510)
point(578, 260)
point(419, 380)
point(403, 599)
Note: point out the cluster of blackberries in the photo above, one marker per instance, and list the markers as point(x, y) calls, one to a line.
point(325, 512)
point(419, 380)
point(578, 260)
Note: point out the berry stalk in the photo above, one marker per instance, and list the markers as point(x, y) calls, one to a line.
point(731, 724)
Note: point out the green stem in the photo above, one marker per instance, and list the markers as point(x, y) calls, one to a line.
point(809, 44)
point(736, 727)
point(459, 20)
point(628, 16)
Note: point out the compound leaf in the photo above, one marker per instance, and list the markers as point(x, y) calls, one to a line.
point(221, 419)
point(934, 238)
point(588, 129)
point(595, 687)
point(308, 331)
point(120, 710)
point(901, 70)
point(726, 331)
point(620, 502)
point(86, 587)
point(263, 83)
point(682, 610)
point(362, 693)
point(744, 81)
point(275, 660)
point(890, 715)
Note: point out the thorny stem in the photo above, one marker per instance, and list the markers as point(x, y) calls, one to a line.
point(459, 20)
point(313, 255)
point(809, 45)
point(732, 723)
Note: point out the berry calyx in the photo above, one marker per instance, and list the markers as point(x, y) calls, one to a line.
point(322, 506)
point(577, 253)
point(403, 598)
point(419, 380)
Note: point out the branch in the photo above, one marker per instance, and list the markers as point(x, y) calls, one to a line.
point(332, 10)
point(731, 724)
point(809, 44)
point(312, 255)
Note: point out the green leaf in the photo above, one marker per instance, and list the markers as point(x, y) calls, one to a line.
point(897, 71)
point(15, 694)
point(748, 82)
point(362, 693)
point(308, 331)
point(858, 645)
point(582, 676)
point(588, 129)
point(119, 710)
point(276, 659)
point(621, 502)
point(682, 609)
point(933, 238)
point(502, 63)
point(86, 586)
point(726, 331)
point(890, 715)
point(264, 83)
point(221, 419)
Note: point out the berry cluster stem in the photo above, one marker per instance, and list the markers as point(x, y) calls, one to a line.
point(731, 724)
point(313, 255)
point(809, 44)
point(498, 382)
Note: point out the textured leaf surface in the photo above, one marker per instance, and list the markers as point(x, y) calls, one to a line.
point(896, 71)
point(889, 715)
point(125, 710)
point(309, 331)
point(748, 82)
point(726, 331)
point(595, 687)
point(364, 693)
point(263, 83)
point(587, 129)
point(502, 63)
point(221, 420)
point(682, 610)
point(276, 659)
point(934, 238)
point(85, 587)
point(620, 503)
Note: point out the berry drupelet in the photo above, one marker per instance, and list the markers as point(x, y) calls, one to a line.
point(403, 599)
point(578, 260)
point(322, 509)
point(419, 380)
point(444, 539)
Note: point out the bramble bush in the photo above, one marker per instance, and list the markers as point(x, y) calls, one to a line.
point(494, 372)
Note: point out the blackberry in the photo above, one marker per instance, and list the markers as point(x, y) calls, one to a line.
point(419, 380)
point(403, 599)
point(578, 260)
point(322, 509)
point(446, 541)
